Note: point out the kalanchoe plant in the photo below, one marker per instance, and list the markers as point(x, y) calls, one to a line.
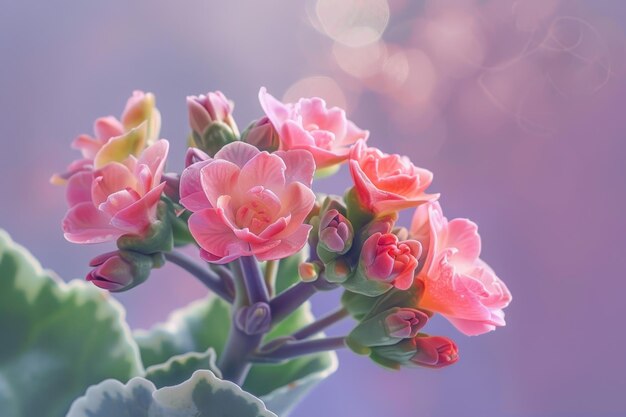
point(267, 241)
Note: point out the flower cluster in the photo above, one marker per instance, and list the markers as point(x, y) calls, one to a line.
point(247, 201)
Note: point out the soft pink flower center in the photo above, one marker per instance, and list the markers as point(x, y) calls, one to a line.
point(258, 211)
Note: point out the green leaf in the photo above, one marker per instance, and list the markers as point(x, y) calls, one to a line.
point(195, 328)
point(179, 368)
point(205, 323)
point(56, 339)
point(203, 395)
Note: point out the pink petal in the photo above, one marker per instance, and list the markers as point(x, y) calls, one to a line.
point(471, 327)
point(118, 201)
point(192, 195)
point(239, 153)
point(83, 223)
point(315, 113)
point(297, 201)
point(88, 146)
point(265, 170)
point(139, 215)
point(462, 234)
point(216, 238)
point(106, 128)
point(111, 178)
point(288, 246)
point(353, 134)
point(79, 188)
point(276, 111)
point(219, 177)
point(154, 157)
point(300, 166)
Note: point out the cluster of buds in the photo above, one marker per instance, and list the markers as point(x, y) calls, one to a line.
point(251, 196)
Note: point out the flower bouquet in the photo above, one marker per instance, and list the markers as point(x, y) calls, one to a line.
point(265, 239)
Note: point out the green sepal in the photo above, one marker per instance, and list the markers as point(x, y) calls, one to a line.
point(394, 356)
point(56, 339)
point(214, 138)
point(359, 283)
point(158, 239)
point(203, 395)
point(372, 332)
point(180, 229)
point(358, 215)
point(358, 305)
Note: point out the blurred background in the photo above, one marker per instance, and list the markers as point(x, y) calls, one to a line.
point(516, 106)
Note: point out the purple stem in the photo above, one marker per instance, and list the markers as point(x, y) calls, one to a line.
point(290, 299)
point(300, 348)
point(254, 280)
point(209, 278)
point(320, 324)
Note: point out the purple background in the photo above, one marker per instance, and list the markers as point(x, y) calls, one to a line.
point(517, 107)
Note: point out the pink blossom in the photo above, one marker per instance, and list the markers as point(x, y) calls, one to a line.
point(309, 124)
point(117, 199)
point(247, 202)
point(457, 283)
point(140, 108)
point(387, 183)
point(384, 258)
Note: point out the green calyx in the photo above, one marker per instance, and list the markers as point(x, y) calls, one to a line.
point(214, 138)
point(158, 238)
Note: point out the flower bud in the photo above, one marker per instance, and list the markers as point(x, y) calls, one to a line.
point(254, 319)
point(434, 351)
point(210, 117)
point(386, 328)
point(337, 271)
point(210, 108)
point(121, 270)
point(262, 134)
point(308, 271)
point(384, 258)
point(335, 235)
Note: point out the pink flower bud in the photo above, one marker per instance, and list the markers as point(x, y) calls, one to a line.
point(116, 272)
point(435, 351)
point(263, 135)
point(210, 108)
point(385, 258)
point(404, 323)
point(335, 232)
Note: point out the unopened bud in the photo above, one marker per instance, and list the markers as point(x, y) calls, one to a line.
point(254, 319)
point(262, 134)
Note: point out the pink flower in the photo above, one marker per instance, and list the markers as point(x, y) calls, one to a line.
point(247, 202)
point(457, 283)
point(308, 124)
point(140, 108)
point(386, 183)
point(117, 199)
point(384, 258)
point(114, 139)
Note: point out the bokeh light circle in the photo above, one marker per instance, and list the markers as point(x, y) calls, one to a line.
point(353, 22)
